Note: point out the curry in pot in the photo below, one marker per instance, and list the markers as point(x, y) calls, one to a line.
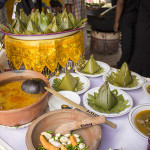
point(142, 122)
point(12, 96)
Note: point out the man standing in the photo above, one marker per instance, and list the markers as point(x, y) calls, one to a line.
point(125, 20)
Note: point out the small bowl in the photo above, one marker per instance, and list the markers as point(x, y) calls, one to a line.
point(132, 115)
point(144, 88)
point(50, 121)
point(56, 103)
point(21, 116)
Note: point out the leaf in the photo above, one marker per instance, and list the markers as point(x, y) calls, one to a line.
point(110, 78)
point(43, 21)
point(23, 17)
point(121, 105)
point(57, 81)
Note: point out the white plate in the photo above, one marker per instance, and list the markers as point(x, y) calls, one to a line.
point(144, 88)
point(83, 79)
point(140, 81)
point(101, 64)
point(43, 36)
point(56, 103)
point(124, 94)
point(132, 115)
point(4, 145)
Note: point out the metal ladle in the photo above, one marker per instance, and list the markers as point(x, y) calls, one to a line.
point(38, 87)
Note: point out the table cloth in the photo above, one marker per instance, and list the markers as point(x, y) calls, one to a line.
point(123, 136)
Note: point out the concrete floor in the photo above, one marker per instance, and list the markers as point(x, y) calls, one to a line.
point(110, 59)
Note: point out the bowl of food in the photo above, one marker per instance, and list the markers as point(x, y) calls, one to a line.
point(139, 118)
point(146, 89)
point(51, 121)
point(16, 106)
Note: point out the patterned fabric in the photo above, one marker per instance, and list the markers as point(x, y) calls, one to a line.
point(78, 7)
point(40, 53)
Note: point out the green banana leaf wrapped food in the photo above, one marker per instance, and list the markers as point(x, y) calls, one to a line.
point(68, 82)
point(91, 66)
point(18, 27)
point(32, 28)
point(39, 23)
point(123, 77)
point(64, 21)
point(105, 97)
point(52, 27)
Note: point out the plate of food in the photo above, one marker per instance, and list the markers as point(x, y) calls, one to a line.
point(139, 118)
point(146, 89)
point(41, 26)
point(93, 68)
point(123, 78)
point(70, 82)
point(107, 101)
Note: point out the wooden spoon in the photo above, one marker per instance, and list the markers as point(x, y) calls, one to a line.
point(74, 125)
point(78, 106)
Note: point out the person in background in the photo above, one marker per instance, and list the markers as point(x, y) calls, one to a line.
point(3, 15)
point(140, 62)
point(56, 6)
point(29, 6)
point(125, 21)
point(77, 7)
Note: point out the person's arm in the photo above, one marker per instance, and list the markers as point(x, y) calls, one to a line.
point(119, 9)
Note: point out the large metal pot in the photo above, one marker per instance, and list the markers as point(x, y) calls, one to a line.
point(27, 114)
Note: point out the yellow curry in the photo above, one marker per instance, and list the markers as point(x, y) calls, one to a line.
point(12, 97)
point(142, 122)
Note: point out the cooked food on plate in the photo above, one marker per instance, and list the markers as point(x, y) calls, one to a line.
point(107, 101)
point(123, 77)
point(68, 82)
point(91, 67)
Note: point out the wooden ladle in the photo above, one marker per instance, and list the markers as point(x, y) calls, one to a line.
point(74, 125)
point(38, 86)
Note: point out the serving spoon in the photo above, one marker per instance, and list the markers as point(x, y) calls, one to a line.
point(36, 86)
point(66, 128)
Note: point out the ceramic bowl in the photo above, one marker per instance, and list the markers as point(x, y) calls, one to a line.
point(144, 88)
point(132, 115)
point(56, 103)
point(26, 114)
point(50, 121)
